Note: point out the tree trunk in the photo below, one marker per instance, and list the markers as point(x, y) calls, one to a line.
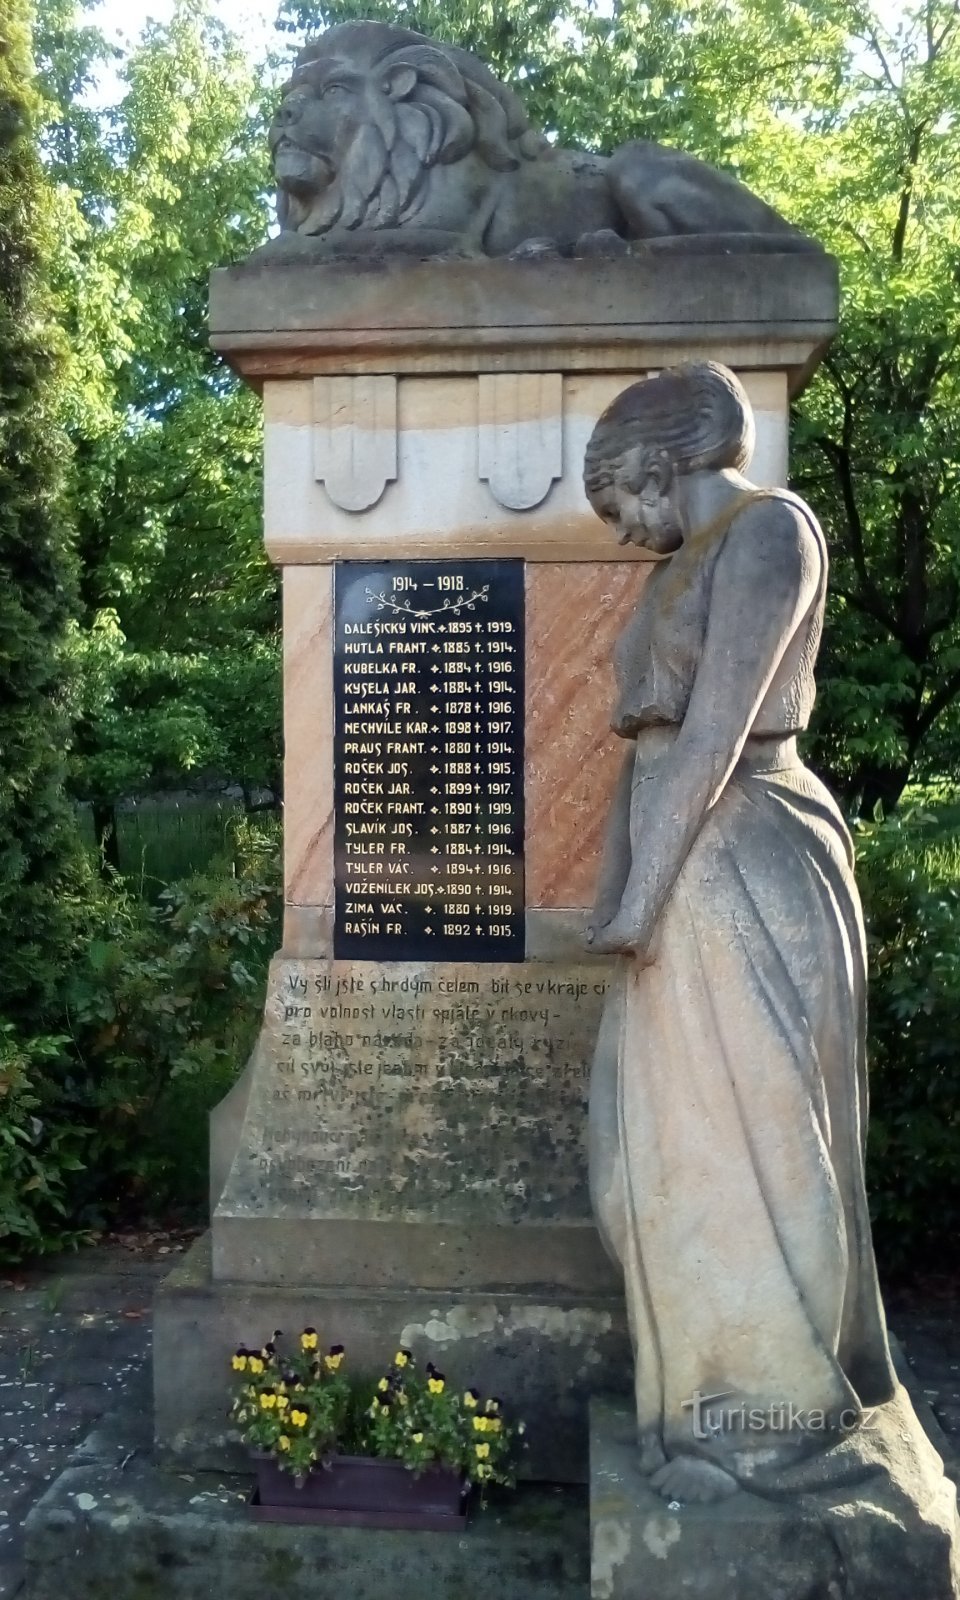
point(880, 785)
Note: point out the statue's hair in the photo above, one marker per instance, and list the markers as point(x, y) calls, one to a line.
point(464, 105)
point(695, 416)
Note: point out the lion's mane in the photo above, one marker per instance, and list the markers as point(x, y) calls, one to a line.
point(457, 107)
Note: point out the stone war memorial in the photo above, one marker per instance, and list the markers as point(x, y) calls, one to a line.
point(561, 1082)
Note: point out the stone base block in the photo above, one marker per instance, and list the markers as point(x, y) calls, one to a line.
point(146, 1534)
point(886, 1531)
point(544, 1355)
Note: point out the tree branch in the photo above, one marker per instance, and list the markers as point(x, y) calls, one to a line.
point(938, 702)
point(934, 46)
point(906, 193)
point(839, 455)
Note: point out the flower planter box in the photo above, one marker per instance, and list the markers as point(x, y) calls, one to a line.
point(361, 1492)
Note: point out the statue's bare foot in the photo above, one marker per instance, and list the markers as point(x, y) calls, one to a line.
point(692, 1481)
point(652, 1453)
point(601, 242)
point(535, 249)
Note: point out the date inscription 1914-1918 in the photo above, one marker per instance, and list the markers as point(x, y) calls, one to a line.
point(428, 761)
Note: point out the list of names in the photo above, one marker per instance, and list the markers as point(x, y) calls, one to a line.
point(428, 760)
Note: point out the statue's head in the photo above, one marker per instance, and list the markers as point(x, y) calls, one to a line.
point(369, 111)
point(687, 419)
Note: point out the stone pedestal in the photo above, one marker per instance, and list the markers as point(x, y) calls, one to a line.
point(874, 1519)
point(405, 1155)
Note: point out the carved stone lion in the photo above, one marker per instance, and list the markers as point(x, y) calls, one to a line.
point(385, 140)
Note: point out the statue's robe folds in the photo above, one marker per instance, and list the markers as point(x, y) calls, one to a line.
point(729, 1096)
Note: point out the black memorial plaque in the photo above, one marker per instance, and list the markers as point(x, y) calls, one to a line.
point(428, 760)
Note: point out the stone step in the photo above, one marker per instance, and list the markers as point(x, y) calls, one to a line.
point(103, 1532)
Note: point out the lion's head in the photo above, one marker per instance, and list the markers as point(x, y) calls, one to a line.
point(369, 110)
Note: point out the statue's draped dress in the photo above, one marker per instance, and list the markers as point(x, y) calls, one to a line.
point(729, 1102)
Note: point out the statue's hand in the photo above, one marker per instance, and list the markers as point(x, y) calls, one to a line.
point(618, 937)
point(621, 936)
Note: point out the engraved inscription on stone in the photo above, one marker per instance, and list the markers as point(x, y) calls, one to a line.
point(428, 760)
point(427, 1091)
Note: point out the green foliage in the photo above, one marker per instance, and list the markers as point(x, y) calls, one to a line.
point(160, 1009)
point(168, 992)
point(302, 1409)
point(37, 835)
point(179, 625)
point(35, 1161)
point(909, 872)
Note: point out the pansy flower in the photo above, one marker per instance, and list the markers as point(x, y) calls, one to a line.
point(471, 1399)
point(309, 1339)
point(298, 1417)
point(436, 1382)
point(333, 1358)
point(402, 1358)
point(239, 1359)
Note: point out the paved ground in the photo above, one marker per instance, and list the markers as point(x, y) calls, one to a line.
point(75, 1336)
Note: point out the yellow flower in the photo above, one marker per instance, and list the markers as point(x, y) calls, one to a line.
point(417, 1438)
point(494, 1425)
point(436, 1385)
point(383, 1385)
point(282, 1402)
point(283, 1442)
point(309, 1339)
point(375, 1406)
point(333, 1357)
point(268, 1400)
point(484, 1471)
point(470, 1399)
point(402, 1358)
point(482, 1450)
point(239, 1361)
point(298, 1418)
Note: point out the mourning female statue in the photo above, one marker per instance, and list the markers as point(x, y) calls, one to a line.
point(729, 1099)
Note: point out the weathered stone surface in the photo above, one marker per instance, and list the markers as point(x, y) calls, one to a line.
point(544, 1354)
point(877, 1522)
point(728, 1097)
point(448, 1098)
point(385, 140)
point(285, 317)
point(142, 1534)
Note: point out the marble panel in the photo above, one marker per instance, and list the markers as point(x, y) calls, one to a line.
point(574, 613)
